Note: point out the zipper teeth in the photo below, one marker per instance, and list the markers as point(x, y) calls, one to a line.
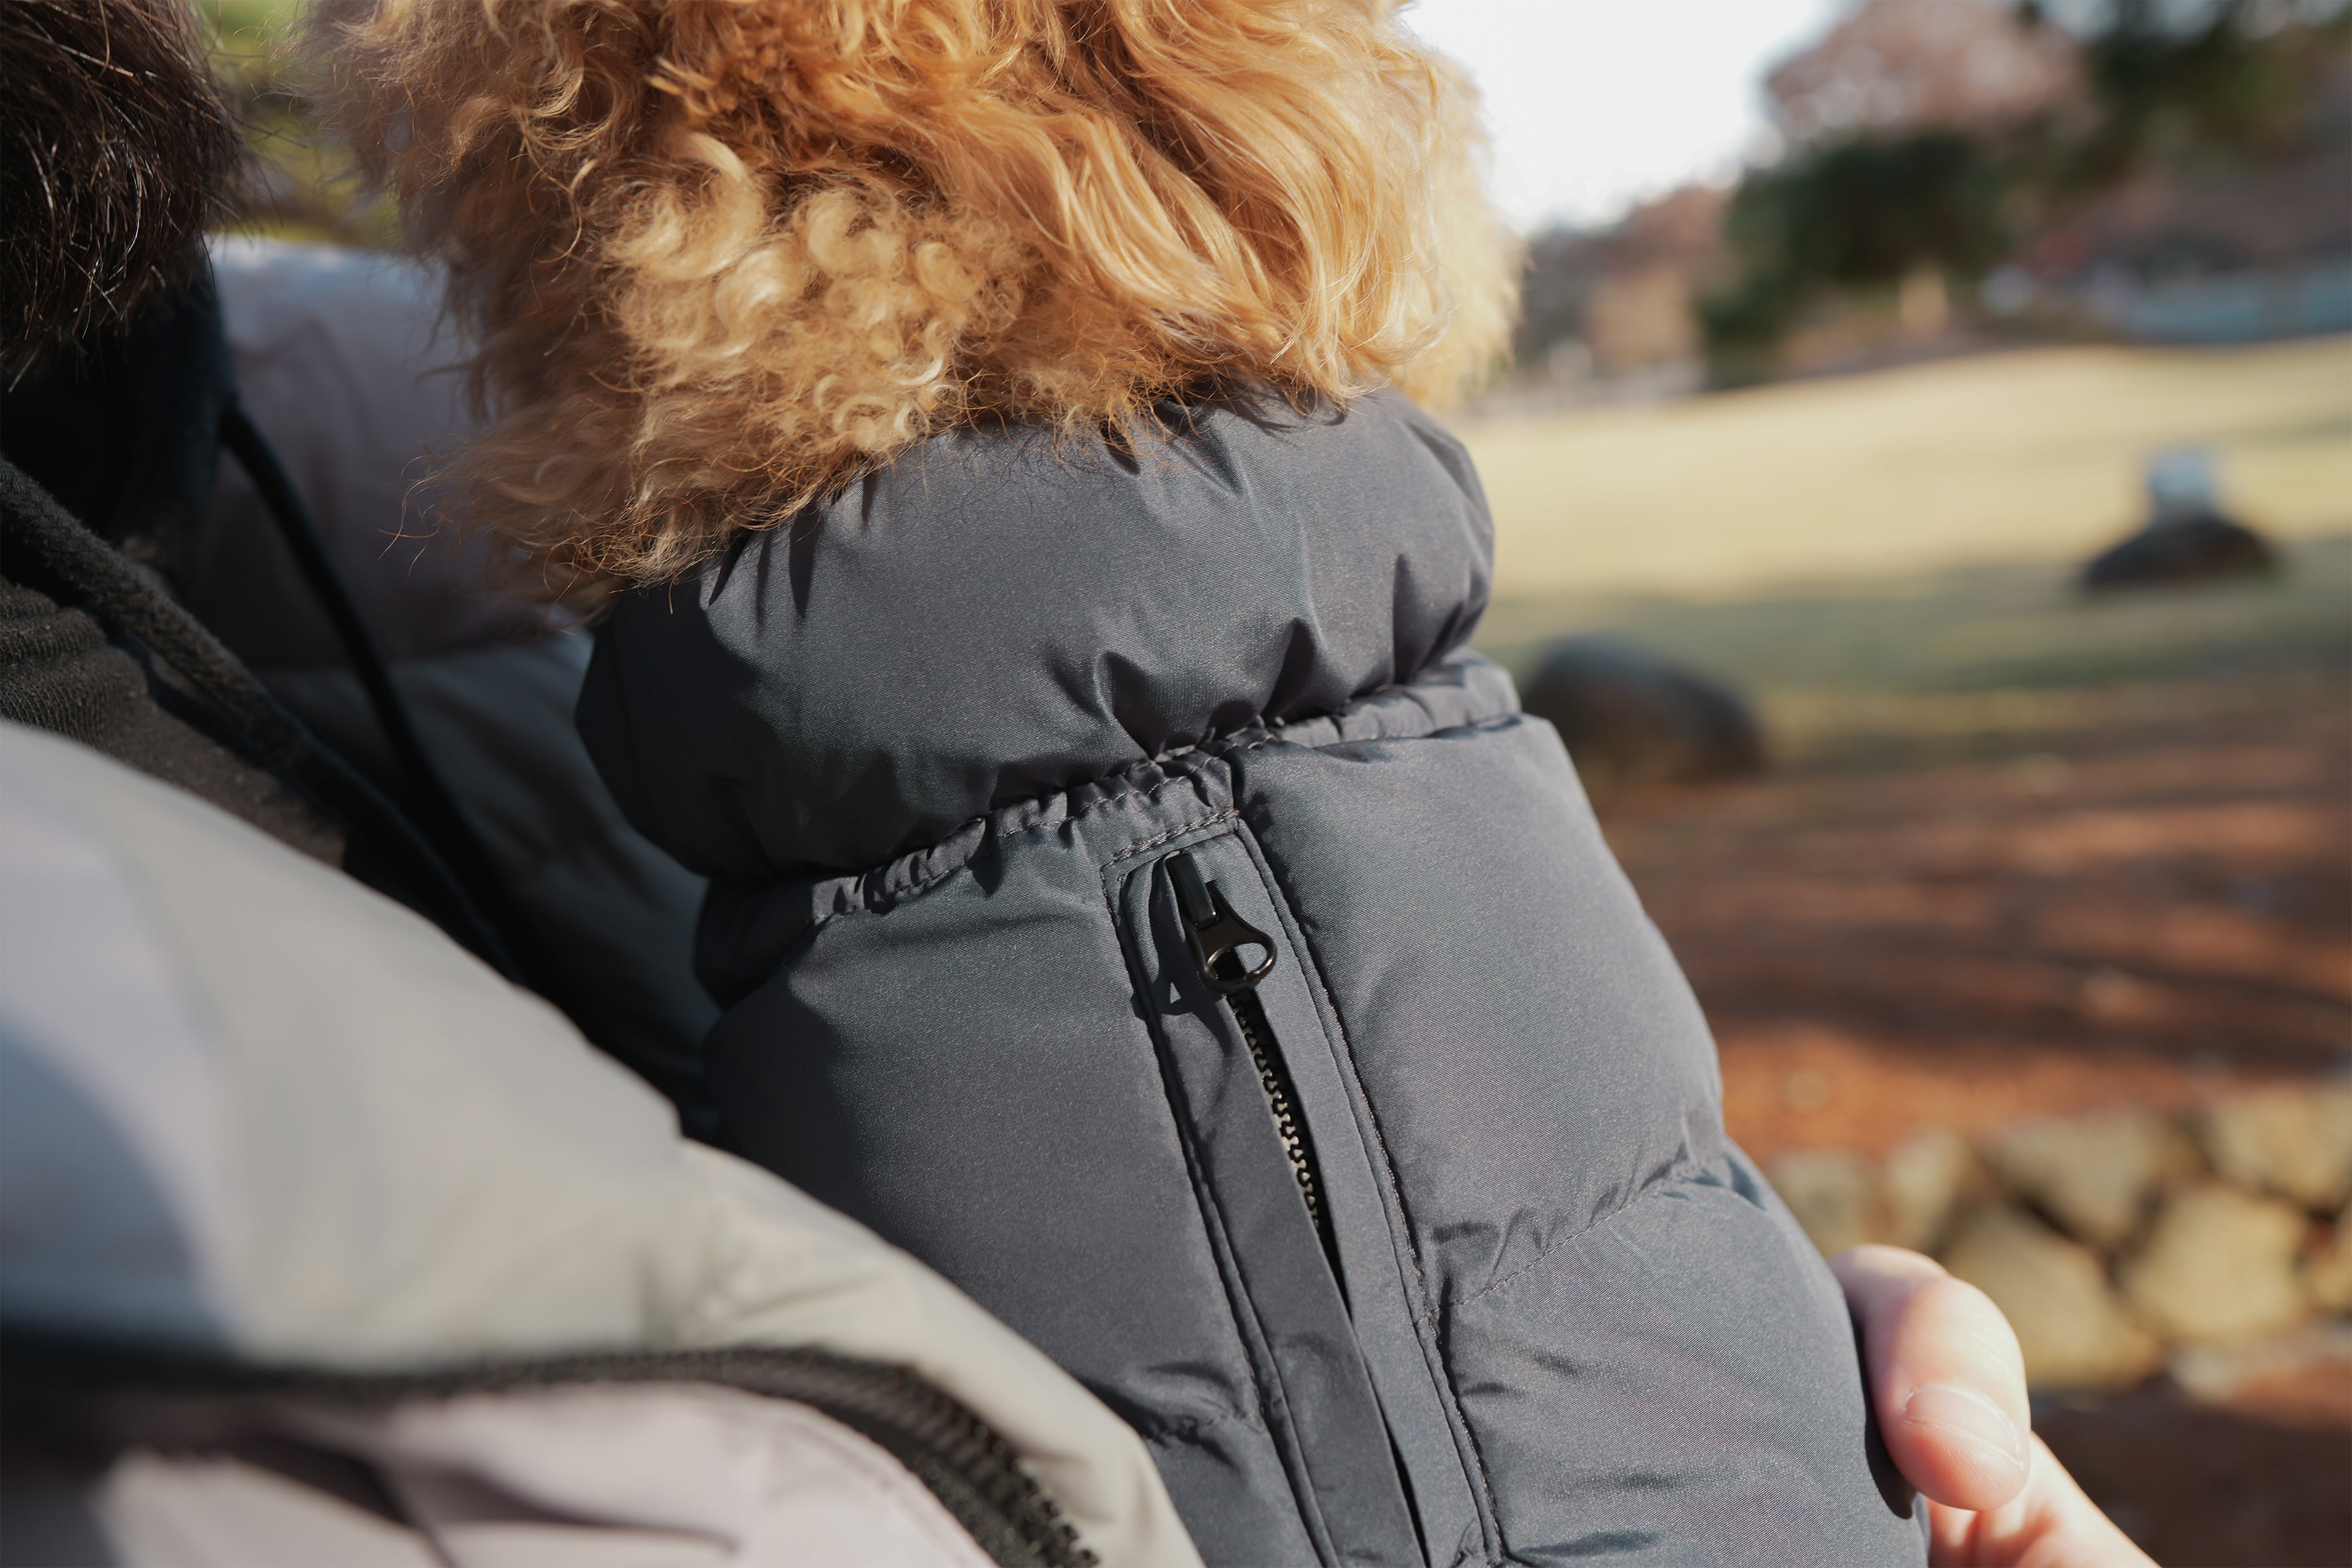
point(1255, 1034)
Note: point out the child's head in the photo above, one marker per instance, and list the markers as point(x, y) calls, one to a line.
point(716, 254)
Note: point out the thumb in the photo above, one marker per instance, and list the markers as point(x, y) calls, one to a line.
point(1945, 1375)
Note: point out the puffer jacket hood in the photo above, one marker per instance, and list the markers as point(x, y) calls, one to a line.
point(1130, 896)
point(1003, 615)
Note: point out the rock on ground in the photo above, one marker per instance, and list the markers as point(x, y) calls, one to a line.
point(2073, 1329)
point(2295, 1140)
point(1632, 717)
point(2194, 549)
point(1830, 1193)
point(2220, 1265)
point(1923, 1181)
point(2304, 1377)
point(2328, 1276)
point(2094, 1175)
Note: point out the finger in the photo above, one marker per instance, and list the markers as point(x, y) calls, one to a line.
point(1945, 1375)
point(2050, 1524)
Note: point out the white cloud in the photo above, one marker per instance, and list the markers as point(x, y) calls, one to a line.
point(1595, 104)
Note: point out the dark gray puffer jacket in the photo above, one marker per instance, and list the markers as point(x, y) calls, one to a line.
point(1010, 768)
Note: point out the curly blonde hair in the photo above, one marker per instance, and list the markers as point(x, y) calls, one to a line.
point(715, 256)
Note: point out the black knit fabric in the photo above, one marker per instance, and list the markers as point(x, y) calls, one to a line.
point(60, 672)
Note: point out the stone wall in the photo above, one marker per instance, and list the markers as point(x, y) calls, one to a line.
point(2123, 1242)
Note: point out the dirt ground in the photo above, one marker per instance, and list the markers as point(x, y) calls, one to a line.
point(2198, 1487)
point(2139, 909)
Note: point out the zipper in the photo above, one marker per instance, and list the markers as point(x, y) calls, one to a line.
point(1218, 938)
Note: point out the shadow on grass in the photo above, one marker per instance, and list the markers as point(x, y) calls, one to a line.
point(1987, 661)
point(1976, 629)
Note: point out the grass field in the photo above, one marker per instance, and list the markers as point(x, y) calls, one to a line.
point(2032, 456)
point(1941, 665)
point(1887, 560)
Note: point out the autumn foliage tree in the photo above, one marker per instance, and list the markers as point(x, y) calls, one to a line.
point(1921, 136)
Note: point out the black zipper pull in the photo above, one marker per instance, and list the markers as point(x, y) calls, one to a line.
point(1216, 934)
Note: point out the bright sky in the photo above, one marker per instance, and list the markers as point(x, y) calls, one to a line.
point(1594, 104)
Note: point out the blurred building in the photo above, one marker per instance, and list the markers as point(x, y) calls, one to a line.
point(2235, 255)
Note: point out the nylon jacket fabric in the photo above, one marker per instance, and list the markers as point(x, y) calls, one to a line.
point(340, 363)
point(933, 745)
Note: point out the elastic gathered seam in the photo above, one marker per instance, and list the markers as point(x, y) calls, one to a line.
point(1250, 742)
point(1180, 763)
point(925, 884)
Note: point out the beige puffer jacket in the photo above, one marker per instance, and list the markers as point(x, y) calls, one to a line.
point(257, 1117)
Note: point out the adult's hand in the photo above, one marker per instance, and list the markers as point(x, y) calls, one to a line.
point(1949, 1385)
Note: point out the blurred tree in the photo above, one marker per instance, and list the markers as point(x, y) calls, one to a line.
point(2241, 78)
point(1864, 212)
point(300, 185)
point(1563, 266)
point(1896, 131)
point(1869, 211)
point(1901, 66)
point(1922, 137)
